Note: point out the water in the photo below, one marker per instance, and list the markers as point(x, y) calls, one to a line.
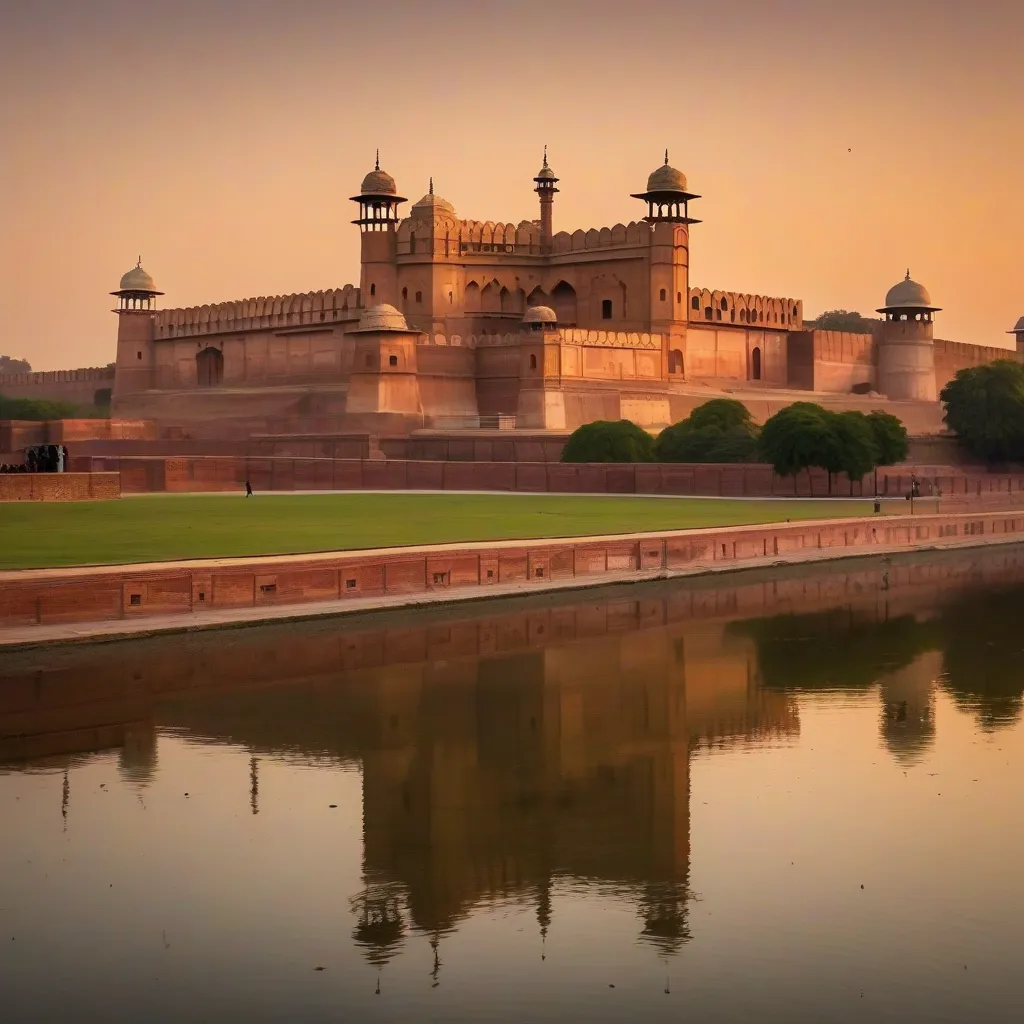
point(781, 796)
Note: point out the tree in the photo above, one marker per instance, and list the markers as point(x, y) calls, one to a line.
point(797, 438)
point(720, 430)
point(985, 409)
point(844, 320)
point(605, 441)
point(37, 409)
point(891, 444)
point(852, 449)
point(8, 364)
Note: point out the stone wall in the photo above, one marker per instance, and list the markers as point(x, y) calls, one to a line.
point(43, 597)
point(951, 356)
point(78, 387)
point(59, 486)
point(210, 473)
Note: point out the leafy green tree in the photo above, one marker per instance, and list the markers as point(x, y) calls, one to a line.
point(721, 430)
point(985, 409)
point(797, 438)
point(8, 364)
point(606, 441)
point(844, 320)
point(852, 448)
point(891, 444)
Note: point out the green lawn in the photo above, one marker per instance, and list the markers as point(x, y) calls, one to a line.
point(168, 527)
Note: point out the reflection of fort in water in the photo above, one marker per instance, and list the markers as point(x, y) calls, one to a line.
point(502, 753)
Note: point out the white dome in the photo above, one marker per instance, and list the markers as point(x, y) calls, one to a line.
point(137, 280)
point(907, 295)
point(382, 318)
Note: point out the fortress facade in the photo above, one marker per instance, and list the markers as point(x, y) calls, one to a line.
point(458, 323)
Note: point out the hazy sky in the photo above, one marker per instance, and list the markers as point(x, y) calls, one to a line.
point(835, 145)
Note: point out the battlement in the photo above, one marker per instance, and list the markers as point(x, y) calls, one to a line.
point(742, 308)
point(335, 304)
point(85, 375)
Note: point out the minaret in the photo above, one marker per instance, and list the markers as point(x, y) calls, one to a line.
point(546, 182)
point(135, 315)
point(668, 198)
point(906, 349)
point(1018, 331)
point(378, 201)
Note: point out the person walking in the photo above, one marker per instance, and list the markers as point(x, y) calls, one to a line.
point(248, 489)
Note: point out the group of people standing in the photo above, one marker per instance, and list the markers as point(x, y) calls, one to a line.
point(41, 458)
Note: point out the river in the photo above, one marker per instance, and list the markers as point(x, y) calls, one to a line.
point(788, 795)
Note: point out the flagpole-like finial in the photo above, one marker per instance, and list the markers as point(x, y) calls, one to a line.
point(666, 157)
point(545, 156)
point(431, 184)
point(908, 274)
point(376, 166)
point(139, 264)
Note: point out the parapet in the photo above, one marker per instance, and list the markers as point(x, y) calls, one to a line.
point(335, 304)
point(565, 335)
point(741, 308)
point(90, 373)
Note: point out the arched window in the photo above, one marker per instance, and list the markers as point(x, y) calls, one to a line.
point(718, 314)
point(679, 298)
point(755, 363)
point(725, 304)
point(419, 296)
point(392, 360)
point(405, 294)
point(675, 361)
point(533, 362)
point(695, 303)
point(373, 289)
point(662, 295)
point(708, 312)
point(606, 309)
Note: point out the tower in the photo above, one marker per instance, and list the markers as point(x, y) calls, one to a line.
point(1018, 331)
point(906, 350)
point(546, 182)
point(135, 362)
point(668, 214)
point(378, 201)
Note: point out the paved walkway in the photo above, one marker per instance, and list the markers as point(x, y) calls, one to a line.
point(119, 629)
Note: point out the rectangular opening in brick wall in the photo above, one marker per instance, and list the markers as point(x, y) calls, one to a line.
point(202, 595)
point(538, 572)
point(268, 588)
point(440, 578)
point(135, 599)
point(350, 584)
point(490, 574)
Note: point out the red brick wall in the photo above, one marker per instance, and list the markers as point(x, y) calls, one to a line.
point(59, 486)
point(100, 594)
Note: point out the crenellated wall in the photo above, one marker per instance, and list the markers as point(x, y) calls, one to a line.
point(743, 308)
point(302, 308)
point(952, 356)
point(78, 387)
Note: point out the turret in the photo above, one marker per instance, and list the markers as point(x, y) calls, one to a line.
point(546, 182)
point(378, 201)
point(135, 308)
point(1018, 331)
point(906, 350)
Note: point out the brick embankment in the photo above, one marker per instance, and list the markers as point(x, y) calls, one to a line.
point(59, 486)
point(53, 604)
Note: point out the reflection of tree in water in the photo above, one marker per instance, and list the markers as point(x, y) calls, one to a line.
point(982, 655)
point(380, 926)
point(666, 916)
point(834, 650)
point(137, 759)
point(978, 633)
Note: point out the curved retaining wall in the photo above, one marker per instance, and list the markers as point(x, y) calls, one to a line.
point(459, 571)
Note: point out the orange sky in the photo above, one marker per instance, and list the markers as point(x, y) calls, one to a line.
point(221, 140)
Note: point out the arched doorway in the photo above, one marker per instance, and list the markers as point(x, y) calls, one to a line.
point(755, 363)
point(210, 367)
point(675, 361)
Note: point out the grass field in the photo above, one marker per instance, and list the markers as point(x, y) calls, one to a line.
point(169, 527)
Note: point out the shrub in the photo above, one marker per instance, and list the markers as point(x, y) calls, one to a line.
point(985, 409)
point(607, 441)
point(717, 431)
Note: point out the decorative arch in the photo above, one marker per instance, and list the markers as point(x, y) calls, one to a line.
point(563, 301)
point(755, 363)
point(471, 298)
point(675, 362)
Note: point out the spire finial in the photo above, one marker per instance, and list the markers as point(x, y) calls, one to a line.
point(908, 274)
point(376, 166)
point(545, 156)
point(666, 156)
point(139, 264)
point(431, 184)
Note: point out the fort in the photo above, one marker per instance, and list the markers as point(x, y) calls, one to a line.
point(460, 323)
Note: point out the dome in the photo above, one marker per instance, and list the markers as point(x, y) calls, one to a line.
point(378, 182)
point(545, 173)
point(431, 204)
point(382, 318)
point(1018, 327)
point(666, 179)
point(137, 280)
point(907, 295)
point(540, 315)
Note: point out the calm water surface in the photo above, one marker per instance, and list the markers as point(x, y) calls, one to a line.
point(785, 796)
